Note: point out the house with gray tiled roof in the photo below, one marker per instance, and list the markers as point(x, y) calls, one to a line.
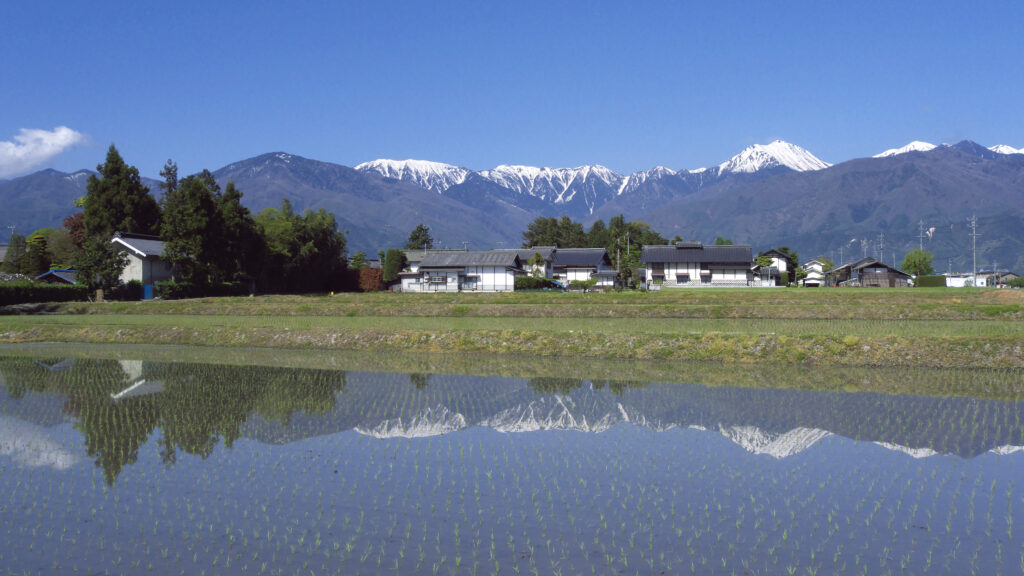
point(463, 271)
point(694, 265)
point(543, 268)
point(145, 259)
point(583, 264)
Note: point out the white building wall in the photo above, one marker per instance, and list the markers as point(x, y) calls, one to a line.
point(688, 274)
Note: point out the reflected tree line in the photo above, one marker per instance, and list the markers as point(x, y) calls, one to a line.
point(119, 406)
point(196, 407)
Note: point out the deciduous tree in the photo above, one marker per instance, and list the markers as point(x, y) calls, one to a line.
point(917, 262)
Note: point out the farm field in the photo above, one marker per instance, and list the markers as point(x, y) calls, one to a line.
point(127, 460)
point(925, 327)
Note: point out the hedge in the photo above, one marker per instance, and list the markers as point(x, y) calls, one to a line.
point(534, 283)
point(930, 282)
point(171, 290)
point(26, 292)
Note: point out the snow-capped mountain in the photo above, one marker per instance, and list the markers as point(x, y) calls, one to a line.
point(777, 154)
point(912, 452)
point(778, 446)
point(435, 176)
point(1004, 149)
point(430, 422)
point(590, 184)
point(915, 146)
point(637, 179)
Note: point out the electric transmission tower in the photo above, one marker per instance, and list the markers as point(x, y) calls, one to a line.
point(920, 234)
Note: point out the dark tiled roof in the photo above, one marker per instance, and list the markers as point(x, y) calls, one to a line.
point(526, 254)
point(695, 252)
point(141, 244)
point(580, 257)
point(460, 258)
point(414, 256)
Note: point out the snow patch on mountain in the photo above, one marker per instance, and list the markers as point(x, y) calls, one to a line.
point(1004, 149)
point(778, 153)
point(1007, 450)
point(778, 446)
point(636, 179)
point(915, 146)
point(435, 176)
point(555, 413)
point(556, 185)
point(429, 422)
point(912, 452)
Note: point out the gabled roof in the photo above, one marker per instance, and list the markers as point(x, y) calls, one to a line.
point(526, 254)
point(867, 262)
point(63, 275)
point(460, 258)
point(696, 252)
point(141, 245)
point(580, 258)
point(414, 256)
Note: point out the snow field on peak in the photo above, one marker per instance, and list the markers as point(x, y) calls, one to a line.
point(1004, 149)
point(435, 176)
point(778, 153)
point(915, 146)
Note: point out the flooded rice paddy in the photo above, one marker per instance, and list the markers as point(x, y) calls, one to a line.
point(136, 466)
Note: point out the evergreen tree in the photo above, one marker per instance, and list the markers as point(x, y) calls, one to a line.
point(191, 231)
point(116, 201)
point(358, 261)
point(242, 246)
point(394, 262)
point(598, 237)
point(15, 253)
point(420, 238)
point(36, 260)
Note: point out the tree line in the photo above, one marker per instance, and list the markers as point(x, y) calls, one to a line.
point(209, 236)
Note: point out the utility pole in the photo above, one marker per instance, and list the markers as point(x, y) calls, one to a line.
point(841, 262)
point(920, 235)
point(465, 245)
point(881, 246)
point(974, 248)
point(12, 227)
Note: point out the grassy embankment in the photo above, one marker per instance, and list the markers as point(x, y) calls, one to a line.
point(918, 327)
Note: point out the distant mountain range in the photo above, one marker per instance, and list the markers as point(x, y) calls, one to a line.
point(767, 196)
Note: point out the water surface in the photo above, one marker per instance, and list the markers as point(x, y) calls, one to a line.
point(126, 466)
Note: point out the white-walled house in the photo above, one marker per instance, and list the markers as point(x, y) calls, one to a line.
point(145, 258)
point(693, 265)
point(526, 255)
point(461, 271)
point(815, 270)
point(582, 264)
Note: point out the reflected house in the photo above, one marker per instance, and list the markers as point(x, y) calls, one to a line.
point(133, 370)
point(145, 260)
point(694, 265)
point(65, 364)
point(462, 271)
point(583, 264)
point(867, 273)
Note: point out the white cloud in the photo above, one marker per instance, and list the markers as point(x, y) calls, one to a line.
point(32, 148)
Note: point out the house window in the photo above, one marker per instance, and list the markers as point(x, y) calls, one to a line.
point(658, 278)
point(705, 277)
point(437, 280)
point(682, 278)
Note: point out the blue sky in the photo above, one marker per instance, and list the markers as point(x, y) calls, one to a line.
point(627, 85)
